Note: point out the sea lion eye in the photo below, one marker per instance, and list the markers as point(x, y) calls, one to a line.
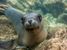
point(39, 17)
point(22, 20)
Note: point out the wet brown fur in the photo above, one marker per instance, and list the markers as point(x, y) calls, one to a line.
point(33, 37)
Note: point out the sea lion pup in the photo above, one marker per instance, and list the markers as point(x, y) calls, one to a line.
point(34, 30)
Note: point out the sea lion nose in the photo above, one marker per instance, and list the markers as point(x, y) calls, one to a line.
point(30, 21)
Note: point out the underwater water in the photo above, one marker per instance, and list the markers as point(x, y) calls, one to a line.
point(54, 10)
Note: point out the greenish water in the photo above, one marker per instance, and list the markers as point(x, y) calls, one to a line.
point(55, 11)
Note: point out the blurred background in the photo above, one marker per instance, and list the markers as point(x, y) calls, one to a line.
point(54, 11)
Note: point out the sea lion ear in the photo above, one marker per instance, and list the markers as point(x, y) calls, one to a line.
point(22, 20)
point(40, 17)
